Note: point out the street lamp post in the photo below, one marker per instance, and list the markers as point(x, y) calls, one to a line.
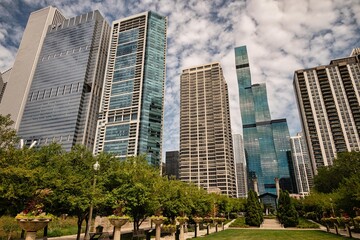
point(87, 234)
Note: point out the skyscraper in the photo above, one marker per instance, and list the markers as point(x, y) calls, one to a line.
point(64, 96)
point(329, 105)
point(131, 113)
point(240, 166)
point(172, 164)
point(206, 154)
point(302, 165)
point(266, 141)
point(27, 57)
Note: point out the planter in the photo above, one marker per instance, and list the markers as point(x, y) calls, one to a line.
point(197, 219)
point(158, 220)
point(208, 220)
point(118, 222)
point(182, 220)
point(32, 225)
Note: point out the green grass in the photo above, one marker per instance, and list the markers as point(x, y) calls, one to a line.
point(239, 222)
point(257, 234)
point(304, 223)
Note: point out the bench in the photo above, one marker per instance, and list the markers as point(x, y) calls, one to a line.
point(99, 235)
point(139, 234)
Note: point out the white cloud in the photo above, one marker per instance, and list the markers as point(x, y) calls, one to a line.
point(281, 37)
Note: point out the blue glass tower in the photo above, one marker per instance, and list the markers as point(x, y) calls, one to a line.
point(131, 113)
point(266, 141)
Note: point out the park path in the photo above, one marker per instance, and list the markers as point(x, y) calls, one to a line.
point(271, 224)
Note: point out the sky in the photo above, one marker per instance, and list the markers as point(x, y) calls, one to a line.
point(281, 36)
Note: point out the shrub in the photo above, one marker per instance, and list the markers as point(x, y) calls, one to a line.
point(287, 213)
point(253, 216)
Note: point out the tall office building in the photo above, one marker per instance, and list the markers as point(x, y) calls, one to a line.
point(302, 165)
point(131, 113)
point(27, 57)
point(206, 154)
point(240, 166)
point(172, 164)
point(329, 104)
point(266, 141)
point(64, 96)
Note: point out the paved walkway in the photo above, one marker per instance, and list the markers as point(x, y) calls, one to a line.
point(271, 224)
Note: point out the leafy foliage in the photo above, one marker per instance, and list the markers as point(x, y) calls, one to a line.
point(342, 181)
point(8, 136)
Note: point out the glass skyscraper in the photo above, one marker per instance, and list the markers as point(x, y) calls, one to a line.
point(64, 96)
point(266, 141)
point(131, 113)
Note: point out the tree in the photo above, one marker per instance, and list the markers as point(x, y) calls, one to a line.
point(134, 184)
point(8, 136)
point(329, 178)
point(342, 181)
point(17, 180)
point(253, 215)
point(286, 212)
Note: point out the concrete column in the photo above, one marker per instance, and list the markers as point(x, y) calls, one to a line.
point(30, 236)
point(256, 188)
point(117, 233)
point(182, 231)
point(158, 232)
point(277, 185)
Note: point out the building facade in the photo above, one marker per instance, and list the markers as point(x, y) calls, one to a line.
point(131, 113)
point(64, 96)
point(266, 141)
point(172, 164)
point(328, 98)
point(206, 153)
point(240, 166)
point(27, 57)
point(302, 165)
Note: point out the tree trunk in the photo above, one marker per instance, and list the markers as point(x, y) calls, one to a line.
point(79, 223)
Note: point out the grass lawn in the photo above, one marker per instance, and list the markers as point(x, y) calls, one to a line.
point(257, 234)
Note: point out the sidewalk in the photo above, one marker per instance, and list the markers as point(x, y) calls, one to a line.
point(271, 224)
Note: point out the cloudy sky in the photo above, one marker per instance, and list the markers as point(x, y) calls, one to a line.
point(281, 36)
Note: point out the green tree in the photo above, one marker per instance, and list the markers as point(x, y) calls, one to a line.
point(135, 184)
point(341, 180)
point(286, 211)
point(253, 215)
point(17, 180)
point(8, 136)
point(329, 178)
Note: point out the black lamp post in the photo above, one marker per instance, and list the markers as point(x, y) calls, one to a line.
point(87, 234)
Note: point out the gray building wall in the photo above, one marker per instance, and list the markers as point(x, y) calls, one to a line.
point(240, 166)
point(20, 79)
point(64, 96)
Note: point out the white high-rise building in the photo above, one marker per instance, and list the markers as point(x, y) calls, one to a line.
point(206, 153)
point(329, 103)
point(302, 165)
